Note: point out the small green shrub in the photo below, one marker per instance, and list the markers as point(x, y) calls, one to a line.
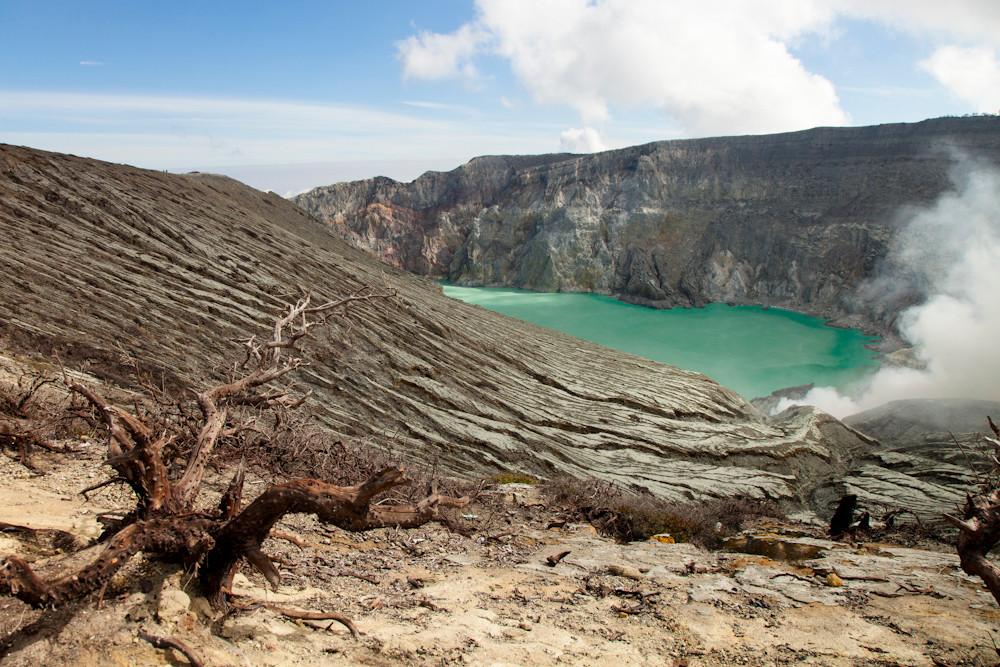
point(514, 478)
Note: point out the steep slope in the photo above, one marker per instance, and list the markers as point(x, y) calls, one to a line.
point(172, 268)
point(793, 220)
point(929, 450)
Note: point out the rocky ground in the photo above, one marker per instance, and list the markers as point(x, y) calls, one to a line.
point(783, 595)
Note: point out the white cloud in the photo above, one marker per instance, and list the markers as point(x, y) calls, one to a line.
point(581, 140)
point(90, 63)
point(431, 55)
point(437, 106)
point(442, 106)
point(192, 133)
point(968, 20)
point(973, 74)
point(718, 67)
point(95, 106)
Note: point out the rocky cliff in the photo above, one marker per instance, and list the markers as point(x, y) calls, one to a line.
point(793, 220)
point(932, 455)
point(172, 268)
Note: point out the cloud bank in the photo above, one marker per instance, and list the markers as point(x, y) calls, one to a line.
point(976, 21)
point(182, 132)
point(972, 74)
point(715, 67)
point(952, 251)
point(713, 74)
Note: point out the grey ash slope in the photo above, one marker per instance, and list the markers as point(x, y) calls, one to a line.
point(793, 220)
point(931, 450)
point(173, 267)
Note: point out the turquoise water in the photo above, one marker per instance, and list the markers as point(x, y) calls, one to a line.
point(746, 348)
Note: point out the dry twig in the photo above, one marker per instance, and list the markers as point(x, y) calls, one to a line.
point(173, 643)
point(317, 616)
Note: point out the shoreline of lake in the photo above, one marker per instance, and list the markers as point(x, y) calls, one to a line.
point(750, 349)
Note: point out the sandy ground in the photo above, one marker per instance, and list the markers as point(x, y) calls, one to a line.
point(430, 597)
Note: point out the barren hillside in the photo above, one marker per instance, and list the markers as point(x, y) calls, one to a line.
point(172, 268)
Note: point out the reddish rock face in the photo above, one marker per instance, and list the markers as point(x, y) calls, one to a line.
point(402, 237)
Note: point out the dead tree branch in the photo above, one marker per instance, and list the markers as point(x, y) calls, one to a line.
point(21, 426)
point(165, 523)
point(316, 616)
point(346, 507)
point(978, 531)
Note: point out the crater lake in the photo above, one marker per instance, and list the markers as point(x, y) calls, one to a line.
point(749, 349)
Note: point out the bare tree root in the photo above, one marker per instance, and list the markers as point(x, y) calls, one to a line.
point(166, 524)
point(345, 506)
point(979, 530)
point(48, 540)
point(175, 538)
point(19, 427)
point(226, 542)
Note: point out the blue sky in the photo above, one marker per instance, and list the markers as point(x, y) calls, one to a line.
point(291, 95)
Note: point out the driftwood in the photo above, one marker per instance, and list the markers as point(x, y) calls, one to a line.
point(552, 561)
point(165, 521)
point(979, 529)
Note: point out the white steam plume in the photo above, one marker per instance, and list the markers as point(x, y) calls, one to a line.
point(581, 140)
point(952, 249)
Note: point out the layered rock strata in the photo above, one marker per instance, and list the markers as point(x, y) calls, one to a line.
point(795, 220)
point(172, 268)
point(932, 455)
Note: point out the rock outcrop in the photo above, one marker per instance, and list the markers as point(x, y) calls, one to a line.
point(793, 220)
point(172, 268)
point(932, 455)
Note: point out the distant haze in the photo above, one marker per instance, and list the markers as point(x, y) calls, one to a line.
point(289, 180)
